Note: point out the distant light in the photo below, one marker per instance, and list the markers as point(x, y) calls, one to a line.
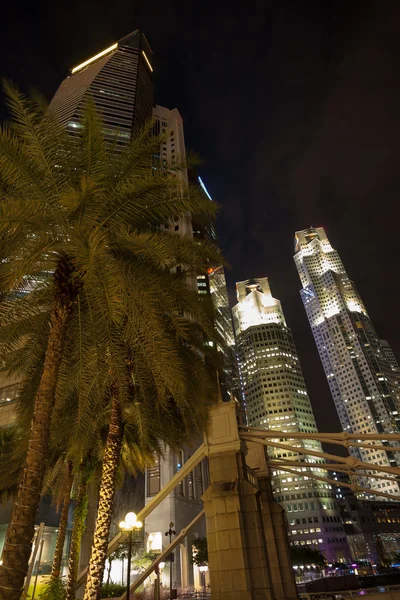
point(201, 182)
point(147, 60)
point(90, 60)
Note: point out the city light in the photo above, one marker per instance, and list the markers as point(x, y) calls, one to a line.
point(90, 60)
point(147, 61)
point(204, 187)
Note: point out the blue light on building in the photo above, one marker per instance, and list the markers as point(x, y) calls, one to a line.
point(201, 182)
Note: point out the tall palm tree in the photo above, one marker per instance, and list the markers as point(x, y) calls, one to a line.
point(65, 494)
point(80, 514)
point(81, 240)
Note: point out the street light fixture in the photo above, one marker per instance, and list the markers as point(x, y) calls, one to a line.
point(203, 570)
point(169, 534)
point(157, 584)
point(130, 525)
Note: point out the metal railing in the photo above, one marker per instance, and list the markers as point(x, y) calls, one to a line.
point(195, 594)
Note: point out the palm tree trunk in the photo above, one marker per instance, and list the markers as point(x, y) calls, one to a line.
point(80, 513)
point(62, 527)
point(112, 453)
point(19, 538)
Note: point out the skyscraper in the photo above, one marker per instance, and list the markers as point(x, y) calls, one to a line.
point(276, 398)
point(213, 283)
point(183, 503)
point(355, 363)
point(119, 81)
point(389, 354)
point(229, 380)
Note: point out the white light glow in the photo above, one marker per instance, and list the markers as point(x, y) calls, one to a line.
point(154, 542)
point(354, 306)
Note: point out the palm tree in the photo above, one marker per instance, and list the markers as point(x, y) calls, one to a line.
point(82, 242)
point(80, 513)
point(65, 494)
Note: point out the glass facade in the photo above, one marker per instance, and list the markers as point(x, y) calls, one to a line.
point(276, 398)
point(120, 85)
point(363, 384)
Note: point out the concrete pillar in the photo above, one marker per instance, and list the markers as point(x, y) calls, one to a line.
point(273, 515)
point(278, 548)
point(184, 562)
point(237, 553)
point(247, 546)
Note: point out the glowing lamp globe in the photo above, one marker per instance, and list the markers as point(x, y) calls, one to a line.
point(130, 519)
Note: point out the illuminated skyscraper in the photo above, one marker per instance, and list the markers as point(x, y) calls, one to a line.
point(213, 283)
point(276, 398)
point(356, 365)
point(392, 370)
point(119, 81)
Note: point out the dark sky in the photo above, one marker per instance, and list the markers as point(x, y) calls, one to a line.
point(295, 109)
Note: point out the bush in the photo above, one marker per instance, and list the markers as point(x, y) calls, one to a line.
point(112, 590)
point(54, 590)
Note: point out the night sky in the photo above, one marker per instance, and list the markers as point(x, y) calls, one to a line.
point(295, 109)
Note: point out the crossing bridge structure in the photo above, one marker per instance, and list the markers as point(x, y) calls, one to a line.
point(248, 548)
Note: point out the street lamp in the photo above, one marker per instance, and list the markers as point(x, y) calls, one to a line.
point(130, 525)
point(203, 570)
point(158, 569)
point(170, 533)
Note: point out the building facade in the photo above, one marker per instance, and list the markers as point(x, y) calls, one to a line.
point(362, 382)
point(229, 377)
point(184, 503)
point(119, 82)
point(372, 528)
point(179, 508)
point(276, 398)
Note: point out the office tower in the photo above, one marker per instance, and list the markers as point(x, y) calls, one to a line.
point(213, 283)
point(355, 363)
point(173, 149)
point(276, 398)
point(372, 528)
point(391, 370)
point(183, 503)
point(390, 357)
point(229, 379)
point(119, 81)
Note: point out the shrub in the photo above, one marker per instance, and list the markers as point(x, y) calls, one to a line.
point(54, 590)
point(112, 590)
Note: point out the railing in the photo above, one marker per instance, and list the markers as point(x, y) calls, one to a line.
point(195, 594)
point(187, 467)
point(349, 593)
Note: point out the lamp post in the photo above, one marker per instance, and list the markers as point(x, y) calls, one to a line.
point(158, 569)
point(130, 525)
point(203, 570)
point(170, 533)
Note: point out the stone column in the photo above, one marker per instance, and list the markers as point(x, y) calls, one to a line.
point(238, 559)
point(273, 516)
point(277, 543)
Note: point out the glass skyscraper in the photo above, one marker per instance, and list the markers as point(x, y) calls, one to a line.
point(276, 398)
point(362, 381)
point(118, 80)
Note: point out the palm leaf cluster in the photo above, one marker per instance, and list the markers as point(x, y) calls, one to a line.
point(95, 319)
